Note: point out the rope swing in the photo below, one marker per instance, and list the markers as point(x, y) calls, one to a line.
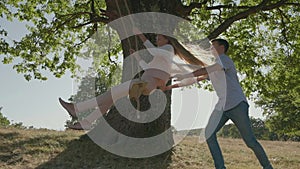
point(137, 87)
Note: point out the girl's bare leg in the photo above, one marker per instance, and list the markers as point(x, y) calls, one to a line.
point(106, 100)
point(69, 107)
point(102, 103)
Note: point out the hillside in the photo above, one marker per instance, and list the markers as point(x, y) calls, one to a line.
point(32, 148)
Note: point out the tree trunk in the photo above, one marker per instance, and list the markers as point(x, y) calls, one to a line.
point(117, 121)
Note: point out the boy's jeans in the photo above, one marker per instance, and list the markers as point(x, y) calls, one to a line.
point(240, 117)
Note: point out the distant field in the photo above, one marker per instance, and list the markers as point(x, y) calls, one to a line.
point(25, 149)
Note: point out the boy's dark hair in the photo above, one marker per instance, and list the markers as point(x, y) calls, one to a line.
point(222, 42)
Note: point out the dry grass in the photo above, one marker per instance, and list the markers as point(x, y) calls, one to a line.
point(190, 154)
point(24, 149)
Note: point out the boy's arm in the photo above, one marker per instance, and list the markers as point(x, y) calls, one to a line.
point(199, 72)
point(196, 73)
point(188, 82)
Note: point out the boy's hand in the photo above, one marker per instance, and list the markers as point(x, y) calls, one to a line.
point(178, 77)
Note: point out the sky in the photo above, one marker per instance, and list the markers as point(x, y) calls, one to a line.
point(35, 103)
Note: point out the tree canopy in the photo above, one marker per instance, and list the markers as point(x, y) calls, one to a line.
point(3, 120)
point(263, 35)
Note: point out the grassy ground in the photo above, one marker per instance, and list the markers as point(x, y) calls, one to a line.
point(25, 149)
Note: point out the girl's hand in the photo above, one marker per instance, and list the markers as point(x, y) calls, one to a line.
point(136, 31)
point(200, 78)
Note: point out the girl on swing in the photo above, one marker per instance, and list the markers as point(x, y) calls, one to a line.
point(156, 75)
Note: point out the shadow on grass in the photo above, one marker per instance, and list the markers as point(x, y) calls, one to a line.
point(83, 153)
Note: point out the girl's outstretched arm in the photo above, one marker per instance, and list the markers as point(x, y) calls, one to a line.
point(140, 34)
point(186, 82)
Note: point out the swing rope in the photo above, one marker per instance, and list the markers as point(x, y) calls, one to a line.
point(137, 88)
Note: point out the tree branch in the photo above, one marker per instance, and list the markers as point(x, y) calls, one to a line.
point(194, 5)
point(284, 30)
point(95, 20)
point(81, 25)
point(273, 6)
point(293, 4)
point(86, 39)
point(242, 15)
point(218, 7)
point(184, 11)
point(69, 19)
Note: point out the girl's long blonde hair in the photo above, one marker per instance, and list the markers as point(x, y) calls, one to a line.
point(183, 53)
